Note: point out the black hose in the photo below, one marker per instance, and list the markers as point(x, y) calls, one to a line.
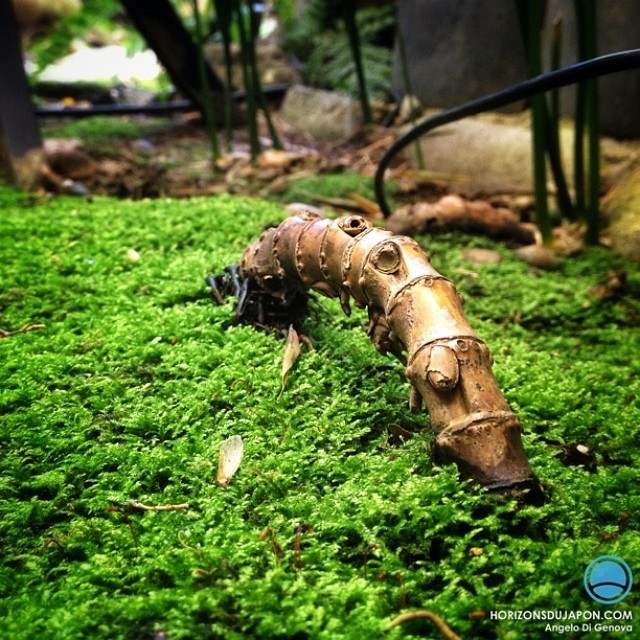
point(585, 70)
point(270, 91)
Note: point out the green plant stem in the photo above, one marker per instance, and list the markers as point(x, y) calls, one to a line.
point(246, 36)
point(552, 128)
point(209, 115)
point(593, 203)
point(224, 16)
point(556, 54)
point(349, 17)
point(408, 87)
point(538, 120)
point(580, 113)
point(592, 122)
point(257, 83)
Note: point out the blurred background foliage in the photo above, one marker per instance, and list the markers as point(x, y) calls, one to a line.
point(317, 38)
point(95, 22)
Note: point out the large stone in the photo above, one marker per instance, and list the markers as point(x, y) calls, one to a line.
point(324, 115)
point(458, 51)
point(622, 211)
point(491, 153)
point(619, 93)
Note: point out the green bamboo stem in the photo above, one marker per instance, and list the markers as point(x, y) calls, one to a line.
point(556, 54)
point(247, 73)
point(223, 15)
point(538, 120)
point(408, 87)
point(209, 115)
point(580, 111)
point(257, 83)
point(552, 127)
point(349, 17)
point(593, 134)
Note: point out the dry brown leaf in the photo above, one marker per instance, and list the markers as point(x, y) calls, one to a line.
point(277, 159)
point(614, 285)
point(370, 208)
point(291, 353)
point(569, 238)
point(231, 452)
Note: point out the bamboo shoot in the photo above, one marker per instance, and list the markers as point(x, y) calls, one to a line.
point(416, 314)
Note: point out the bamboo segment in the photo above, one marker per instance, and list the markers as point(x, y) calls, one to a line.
point(416, 314)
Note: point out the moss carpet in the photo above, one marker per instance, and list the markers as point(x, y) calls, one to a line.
point(125, 380)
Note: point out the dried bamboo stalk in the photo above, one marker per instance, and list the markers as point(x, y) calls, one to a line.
point(416, 314)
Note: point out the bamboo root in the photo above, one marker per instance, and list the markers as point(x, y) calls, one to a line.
point(415, 313)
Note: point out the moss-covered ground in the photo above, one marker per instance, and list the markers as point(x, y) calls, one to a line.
point(333, 525)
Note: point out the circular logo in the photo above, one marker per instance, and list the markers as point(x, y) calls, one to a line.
point(608, 579)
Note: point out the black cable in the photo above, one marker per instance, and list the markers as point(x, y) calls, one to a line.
point(270, 91)
point(585, 70)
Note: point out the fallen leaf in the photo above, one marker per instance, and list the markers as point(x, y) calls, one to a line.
point(291, 353)
point(277, 159)
point(230, 457)
point(613, 286)
point(569, 238)
point(370, 208)
point(67, 158)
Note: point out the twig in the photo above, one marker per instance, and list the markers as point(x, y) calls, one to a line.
point(369, 207)
point(340, 203)
point(134, 504)
point(297, 545)
point(114, 508)
point(380, 143)
point(4, 333)
point(443, 627)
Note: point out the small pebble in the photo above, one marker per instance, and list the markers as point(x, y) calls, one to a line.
point(538, 256)
point(477, 255)
point(74, 188)
point(144, 145)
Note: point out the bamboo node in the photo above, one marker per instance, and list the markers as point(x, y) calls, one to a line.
point(387, 258)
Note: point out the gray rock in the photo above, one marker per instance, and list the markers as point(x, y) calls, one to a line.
point(619, 93)
point(491, 153)
point(462, 50)
point(324, 115)
point(458, 51)
point(622, 212)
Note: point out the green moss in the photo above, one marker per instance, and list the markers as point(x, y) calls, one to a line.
point(102, 129)
point(337, 185)
point(330, 528)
